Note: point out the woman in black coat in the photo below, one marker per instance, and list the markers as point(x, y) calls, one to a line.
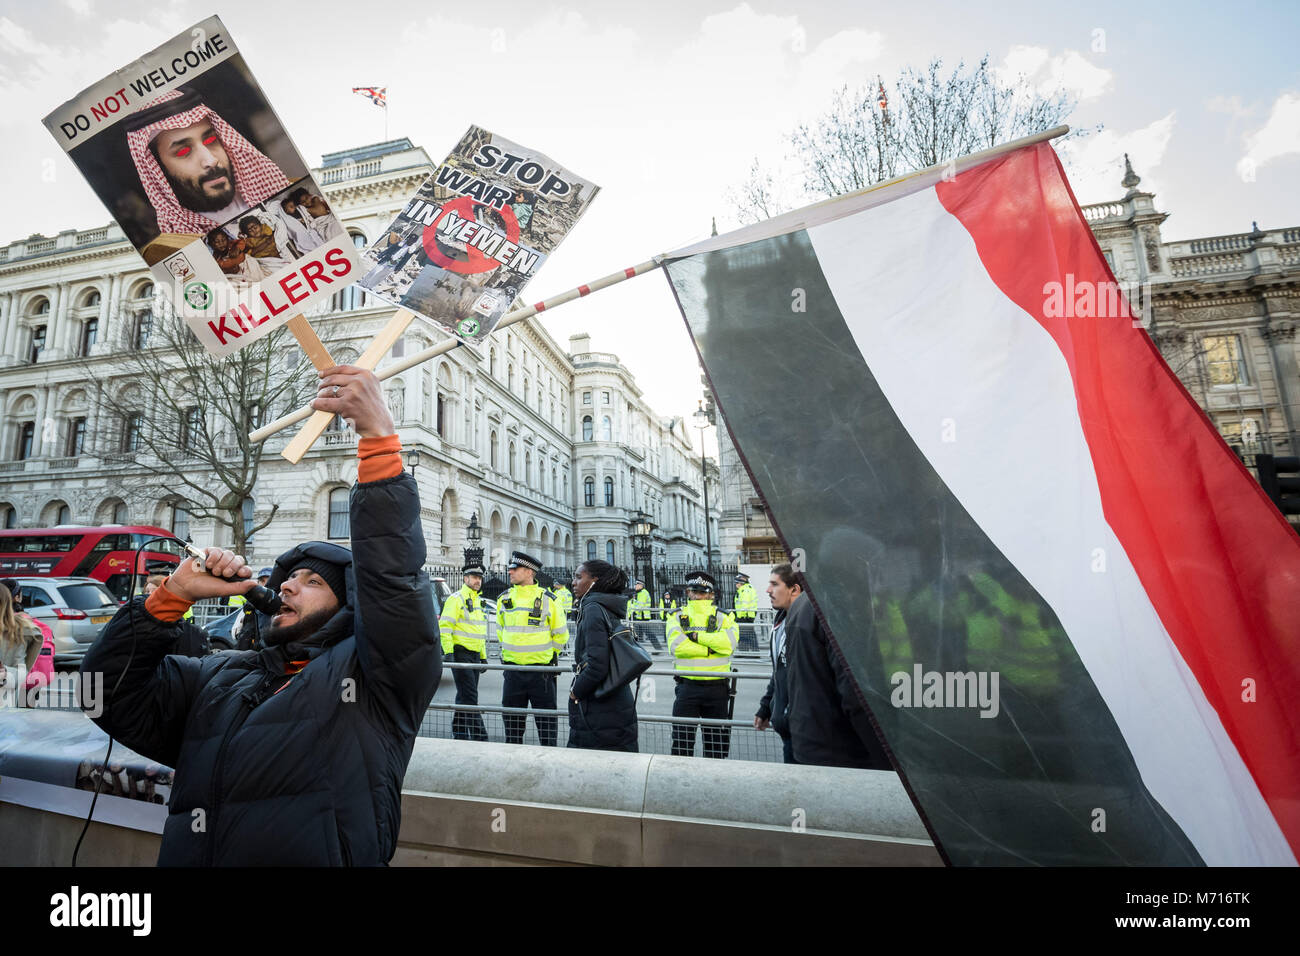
point(610, 722)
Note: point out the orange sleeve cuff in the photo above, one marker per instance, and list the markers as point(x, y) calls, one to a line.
point(165, 605)
point(379, 458)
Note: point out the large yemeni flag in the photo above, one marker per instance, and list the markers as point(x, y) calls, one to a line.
point(981, 483)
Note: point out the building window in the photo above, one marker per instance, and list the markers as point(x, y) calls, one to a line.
point(11, 519)
point(609, 492)
point(589, 491)
point(89, 336)
point(510, 377)
point(340, 514)
point(76, 436)
point(146, 291)
point(442, 411)
point(528, 468)
point(192, 428)
point(92, 300)
point(38, 343)
point(591, 550)
point(247, 509)
point(181, 522)
point(586, 398)
point(604, 398)
point(511, 461)
point(64, 516)
point(555, 484)
point(609, 551)
point(26, 435)
point(492, 445)
point(143, 327)
point(606, 429)
point(119, 513)
point(1225, 360)
point(134, 427)
point(586, 428)
point(527, 383)
point(399, 347)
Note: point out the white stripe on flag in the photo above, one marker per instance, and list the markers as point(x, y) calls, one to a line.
point(955, 356)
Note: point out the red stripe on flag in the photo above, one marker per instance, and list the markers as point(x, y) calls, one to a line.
point(1219, 563)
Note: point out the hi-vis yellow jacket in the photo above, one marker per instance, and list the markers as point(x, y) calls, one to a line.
point(463, 622)
point(702, 638)
point(530, 625)
point(640, 605)
point(565, 597)
point(746, 601)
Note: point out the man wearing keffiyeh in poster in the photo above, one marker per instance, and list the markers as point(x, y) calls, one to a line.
point(198, 171)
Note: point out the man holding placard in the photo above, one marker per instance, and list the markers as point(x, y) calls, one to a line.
point(295, 754)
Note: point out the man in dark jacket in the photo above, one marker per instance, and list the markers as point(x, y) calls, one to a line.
point(294, 754)
point(783, 587)
point(829, 726)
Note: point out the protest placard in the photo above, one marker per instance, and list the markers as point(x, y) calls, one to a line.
point(477, 230)
point(190, 158)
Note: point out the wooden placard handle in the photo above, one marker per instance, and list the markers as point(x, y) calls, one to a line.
point(376, 350)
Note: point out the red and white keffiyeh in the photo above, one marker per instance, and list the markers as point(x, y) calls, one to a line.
point(257, 177)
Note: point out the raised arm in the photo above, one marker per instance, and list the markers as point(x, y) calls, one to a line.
point(396, 631)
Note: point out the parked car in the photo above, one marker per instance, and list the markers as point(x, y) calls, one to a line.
point(74, 609)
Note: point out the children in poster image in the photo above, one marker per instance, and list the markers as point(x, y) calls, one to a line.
point(190, 158)
point(477, 230)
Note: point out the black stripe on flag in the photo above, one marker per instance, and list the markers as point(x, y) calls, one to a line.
point(904, 576)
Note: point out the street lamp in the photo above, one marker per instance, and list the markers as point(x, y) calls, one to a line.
point(473, 537)
point(703, 421)
point(413, 459)
point(643, 545)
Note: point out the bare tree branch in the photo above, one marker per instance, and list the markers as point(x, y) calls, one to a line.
point(181, 416)
point(875, 133)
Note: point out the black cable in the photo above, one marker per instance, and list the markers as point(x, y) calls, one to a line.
point(135, 574)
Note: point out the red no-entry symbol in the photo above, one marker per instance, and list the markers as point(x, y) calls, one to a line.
point(463, 207)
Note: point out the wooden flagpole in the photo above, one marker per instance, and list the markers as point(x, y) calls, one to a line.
point(266, 431)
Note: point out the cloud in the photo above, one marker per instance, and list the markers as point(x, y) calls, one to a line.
point(1279, 136)
point(1070, 70)
point(1096, 163)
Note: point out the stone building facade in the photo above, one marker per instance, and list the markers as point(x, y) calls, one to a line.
point(499, 429)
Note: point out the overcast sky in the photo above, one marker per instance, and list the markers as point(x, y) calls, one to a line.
point(665, 105)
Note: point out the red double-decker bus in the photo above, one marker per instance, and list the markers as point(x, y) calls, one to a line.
point(103, 553)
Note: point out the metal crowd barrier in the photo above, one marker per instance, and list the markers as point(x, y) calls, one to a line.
point(654, 730)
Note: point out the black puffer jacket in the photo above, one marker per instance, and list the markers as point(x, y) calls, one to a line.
point(293, 771)
point(610, 722)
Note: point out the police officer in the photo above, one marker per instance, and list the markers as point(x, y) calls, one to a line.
point(666, 603)
point(701, 638)
point(532, 631)
point(565, 597)
point(746, 611)
point(640, 603)
point(463, 626)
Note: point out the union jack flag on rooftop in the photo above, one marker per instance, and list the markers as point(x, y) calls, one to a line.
point(377, 94)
